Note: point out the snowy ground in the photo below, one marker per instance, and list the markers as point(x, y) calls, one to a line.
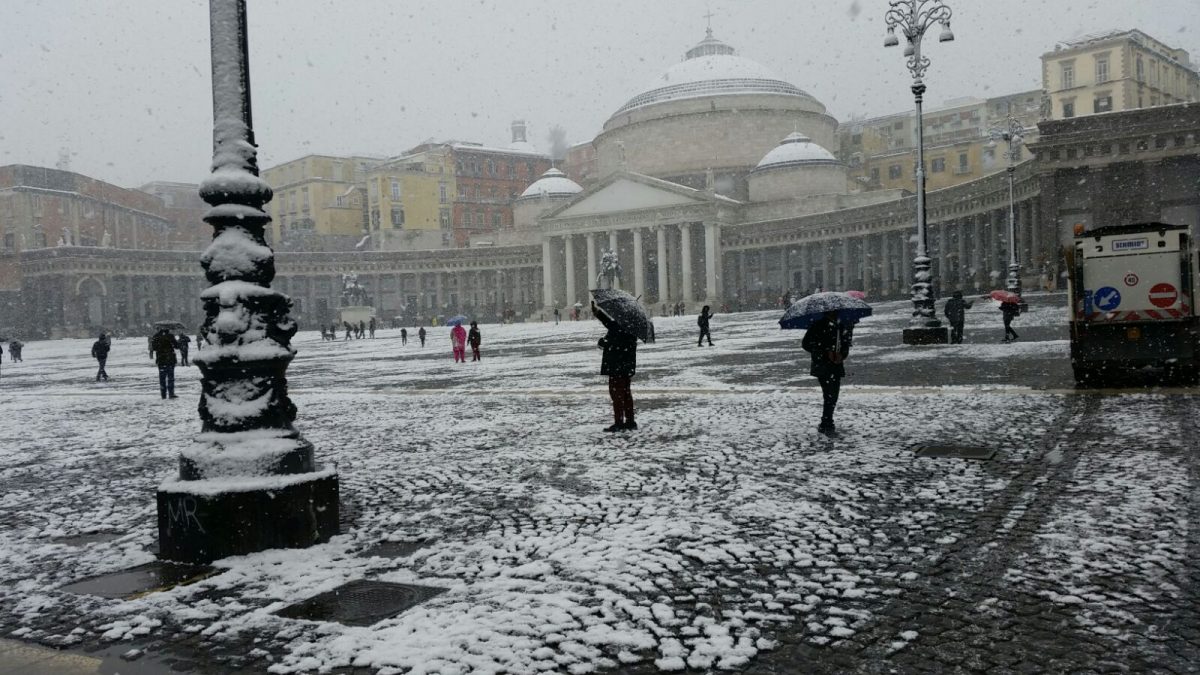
point(723, 534)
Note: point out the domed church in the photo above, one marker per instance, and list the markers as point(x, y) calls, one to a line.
point(716, 142)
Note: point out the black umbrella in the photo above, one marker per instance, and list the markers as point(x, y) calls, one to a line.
point(624, 310)
point(169, 325)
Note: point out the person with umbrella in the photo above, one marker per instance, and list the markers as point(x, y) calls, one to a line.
point(956, 313)
point(458, 342)
point(619, 363)
point(473, 339)
point(830, 319)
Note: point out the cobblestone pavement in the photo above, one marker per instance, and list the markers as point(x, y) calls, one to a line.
point(725, 534)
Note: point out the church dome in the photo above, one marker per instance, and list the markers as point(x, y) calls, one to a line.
point(712, 68)
point(793, 151)
point(553, 183)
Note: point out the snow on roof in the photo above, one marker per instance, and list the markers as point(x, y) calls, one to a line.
point(711, 69)
point(553, 183)
point(479, 147)
point(796, 150)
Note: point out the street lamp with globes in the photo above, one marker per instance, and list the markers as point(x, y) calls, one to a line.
point(912, 18)
point(1011, 132)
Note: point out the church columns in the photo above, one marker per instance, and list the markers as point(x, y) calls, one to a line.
point(663, 287)
point(639, 265)
point(712, 234)
point(591, 259)
point(963, 268)
point(569, 248)
point(685, 245)
point(547, 276)
point(847, 272)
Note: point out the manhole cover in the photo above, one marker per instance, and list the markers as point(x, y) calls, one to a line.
point(395, 549)
point(360, 603)
point(140, 580)
point(955, 451)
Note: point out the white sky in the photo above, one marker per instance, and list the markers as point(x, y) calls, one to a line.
point(124, 84)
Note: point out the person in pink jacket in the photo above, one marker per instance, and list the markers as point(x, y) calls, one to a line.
point(458, 340)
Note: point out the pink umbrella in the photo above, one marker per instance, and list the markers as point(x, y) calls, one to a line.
point(857, 295)
point(1005, 296)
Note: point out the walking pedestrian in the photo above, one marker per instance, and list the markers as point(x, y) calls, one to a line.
point(1009, 311)
point(955, 311)
point(200, 338)
point(619, 363)
point(403, 336)
point(421, 335)
point(372, 328)
point(555, 316)
point(473, 339)
point(100, 350)
point(361, 330)
point(14, 351)
point(458, 342)
point(702, 322)
point(349, 329)
point(829, 344)
point(163, 347)
point(183, 342)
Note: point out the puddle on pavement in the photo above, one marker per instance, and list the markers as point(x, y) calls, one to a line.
point(88, 538)
point(360, 603)
point(140, 580)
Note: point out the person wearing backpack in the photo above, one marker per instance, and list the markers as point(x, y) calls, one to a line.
point(100, 349)
point(702, 322)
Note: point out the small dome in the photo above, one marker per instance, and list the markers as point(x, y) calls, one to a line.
point(796, 150)
point(553, 183)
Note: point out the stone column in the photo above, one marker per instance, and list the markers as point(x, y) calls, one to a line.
point(639, 265)
point(964, 273)
point(906, 256)
point(712, 255)
point(664, 291)
point(547, 276)
point(847, 271)
point(977, 246)
point(591, 260)
point(685, 251)
point(569, 249)
point(865, 264)
point(613, 246)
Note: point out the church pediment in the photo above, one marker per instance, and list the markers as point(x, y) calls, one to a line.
point(630, 193)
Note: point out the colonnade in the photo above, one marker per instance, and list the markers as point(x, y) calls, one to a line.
point(660, 263)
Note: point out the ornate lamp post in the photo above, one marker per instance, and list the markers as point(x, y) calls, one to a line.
point(913, 18)
point(1011, 133)
point(249, 482)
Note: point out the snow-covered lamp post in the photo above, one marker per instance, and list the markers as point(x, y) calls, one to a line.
point(249, 481)
point(1011, 133)
point(913, 18)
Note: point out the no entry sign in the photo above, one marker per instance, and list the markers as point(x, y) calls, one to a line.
point(1163, 295)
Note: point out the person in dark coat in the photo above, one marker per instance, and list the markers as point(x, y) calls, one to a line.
point(473, 339)
point(556, 316)
point(956, 311)
point(829, 344)
point(162, 345)
point(702, 322)
point(403, 336)
point(349, 329)
point(421, 335)
point(1009, 311)
point(100, 350)
point(619, 363)
point(14, 351)
point(362, 330)
point(371, 327)
point(182, 342)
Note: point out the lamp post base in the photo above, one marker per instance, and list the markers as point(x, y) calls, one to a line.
point(205, 520)
point(926, 335)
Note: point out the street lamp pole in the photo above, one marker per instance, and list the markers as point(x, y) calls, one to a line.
point(1011, 133)
point(913, 18)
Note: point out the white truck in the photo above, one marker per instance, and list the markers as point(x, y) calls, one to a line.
point(1133, 292)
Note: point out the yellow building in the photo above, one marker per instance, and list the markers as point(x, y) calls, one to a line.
point(1117, 70)
point(318, 197)
point(409, 201)
point(881, 152)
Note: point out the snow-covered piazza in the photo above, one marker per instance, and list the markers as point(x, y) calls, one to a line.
point(725, 533)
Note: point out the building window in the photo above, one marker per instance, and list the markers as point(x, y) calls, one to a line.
point(375, 218)
point(898, 125)
point(1102, 104)
point(894, 171)
point(963, 163)
point(10, 241)
point(304, 197)
point(1068, 109)
point(939, 165)
point(340, 201)
point(875, 175)
point(397, 216)
point(395, 189)
point(1102, 70)
point(337, 171)
point(444, 217)
point(491, 168)
point(442, 192)
point(1068, 75)
point(39, 240)
point(497, 219)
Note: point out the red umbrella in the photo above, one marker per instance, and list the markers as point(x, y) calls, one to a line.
point(1005, 296)
point(857, 294)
